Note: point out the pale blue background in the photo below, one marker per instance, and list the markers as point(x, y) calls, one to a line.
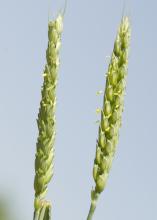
point(89, 33)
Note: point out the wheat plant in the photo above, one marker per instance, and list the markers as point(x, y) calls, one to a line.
point(46, 121)
point(111, 112)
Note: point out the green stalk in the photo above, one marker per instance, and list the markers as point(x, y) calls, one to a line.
point(44, 158)
point(91, 210)
point(111, 112)
point(95, 197)
point(43, 213)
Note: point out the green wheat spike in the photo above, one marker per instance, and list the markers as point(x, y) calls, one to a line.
point(46, 121)
point(111, 112)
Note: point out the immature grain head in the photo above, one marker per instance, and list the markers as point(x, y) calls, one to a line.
point(46, 118)
point(111, 112)
point(112, 106)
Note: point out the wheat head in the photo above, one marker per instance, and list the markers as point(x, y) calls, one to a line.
point(46, 121)
point(111, 113)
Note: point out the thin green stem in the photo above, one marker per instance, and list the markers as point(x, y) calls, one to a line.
point(44, 213)
point(36, 215)
point(94, 198)
point(91, 211)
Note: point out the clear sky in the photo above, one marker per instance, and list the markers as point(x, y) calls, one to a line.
point(89, 32)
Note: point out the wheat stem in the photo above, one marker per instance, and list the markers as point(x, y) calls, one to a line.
point(94, 199)
point(91, 211)
point(44, 213)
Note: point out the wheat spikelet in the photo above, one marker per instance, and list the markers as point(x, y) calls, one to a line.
point(111, 112)
point(46, 117)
